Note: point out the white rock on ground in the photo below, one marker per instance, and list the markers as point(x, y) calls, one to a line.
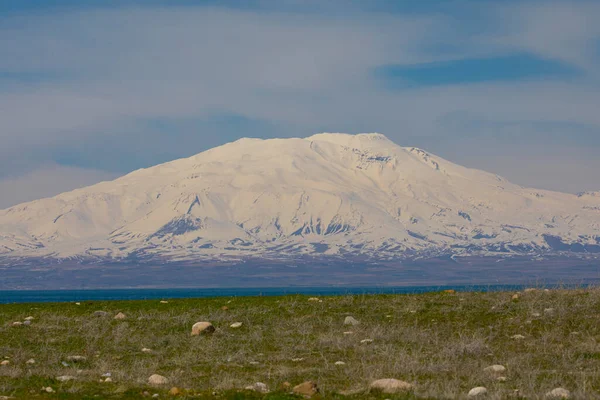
point(4, 362)
point(120, 316)
point(30, 361)
point(351, 321)
point(65, 378)
point(366, 341)
point(28, 322)
point(146, 350)
point(157, 380)
point(517, 337)
point(29, 319)
point(313, 299)
point(496, 369)
point(49, 390)
point(340, 363)
point(202, 327)
point(236, 325)
point(558, 393)
point(478, 391)
point(17, 323)
point(258, 387)
point(390, 386)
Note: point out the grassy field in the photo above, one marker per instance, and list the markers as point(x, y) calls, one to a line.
point(439, 342)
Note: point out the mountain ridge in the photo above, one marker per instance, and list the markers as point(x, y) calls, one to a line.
point(327, 195)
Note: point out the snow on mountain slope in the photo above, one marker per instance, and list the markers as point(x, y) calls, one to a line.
point(328, 194)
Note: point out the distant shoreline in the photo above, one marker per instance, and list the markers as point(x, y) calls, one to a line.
point(124, 294)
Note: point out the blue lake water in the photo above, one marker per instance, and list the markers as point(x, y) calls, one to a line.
point(34, 296)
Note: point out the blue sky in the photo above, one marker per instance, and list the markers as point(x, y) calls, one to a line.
point(90, 90)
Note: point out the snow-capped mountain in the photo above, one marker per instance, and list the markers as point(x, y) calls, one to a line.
point(329, 194)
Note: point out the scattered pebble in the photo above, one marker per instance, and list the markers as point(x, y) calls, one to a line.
point(258, 387)
point(29, 319)
point(340, 363)
point(202, 327)
point(235, 325)
point(390, 386)
point(313, 299)
point(348, 333)
point(146, 350)
point(100, 313)
point(366, 341)
point(164, 302)
point(17, 323)
point(558, 393)
point(108, 380)
point(308, 389)
point(157, 380)
point(49, 390)
point(30, 361)
point(155, 395)
point(120, 316)
point(107, 375)
point(350, 321)
point(478, 391)
point(77, 304)
point(28, 322)
point(65, 378)
point(496, 368)
point(517, 337)
point(4, 362)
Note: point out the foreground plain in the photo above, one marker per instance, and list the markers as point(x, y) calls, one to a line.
point(439, 342)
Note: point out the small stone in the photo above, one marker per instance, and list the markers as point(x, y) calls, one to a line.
point(100, 314)
point(340, 363)
point(145, 350)
point(106, 375)
point(174, 391)
point(157, 380)
point(558, 393)
point(108, 380)
point(258, 387)
point(307, 389)
point(390, 386)
point(313, 299)
point(164, 302)
point(478, 391)
point(28, 322)
point(49, 390)
point(496, 369)
point(536, 314)
point(501, 379)
point(30, 361)
point(65, 378)
point(350, 321)
point(366, 341)
point(77, 304)
point(4, 362)
point(202, 327)
point(517, 337)
point(29, 319)
point(388, 316)
point(17, 323)
point(120, 316)
point(549, 310)
point(77, 358)
point(235, 325)
point(348, 333)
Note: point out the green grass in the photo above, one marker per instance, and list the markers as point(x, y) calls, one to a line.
point(440, 342)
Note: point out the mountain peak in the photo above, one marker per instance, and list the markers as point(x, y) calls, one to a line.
point(353, 140)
